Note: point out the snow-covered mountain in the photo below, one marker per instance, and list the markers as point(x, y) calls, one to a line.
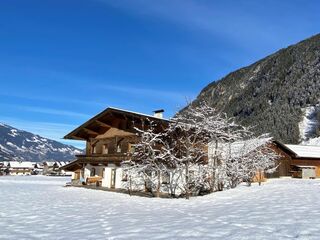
point(278, 94)
point(20, 145)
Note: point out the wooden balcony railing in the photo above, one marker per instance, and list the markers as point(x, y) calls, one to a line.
point(103, 158)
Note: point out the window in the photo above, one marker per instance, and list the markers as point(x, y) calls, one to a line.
point(94, 149)
point(105, 149)
point(93, 172)
point(119, 148)
point(131, 148)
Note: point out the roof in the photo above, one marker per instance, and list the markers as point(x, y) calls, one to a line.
point(304, 151)
point(49, 164)
point(104, 121)
point(137, 113)
point(303, 166)
point(60, 164)
point(14, 164)
point(238, 148)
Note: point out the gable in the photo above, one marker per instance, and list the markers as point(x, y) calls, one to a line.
point(114, 121)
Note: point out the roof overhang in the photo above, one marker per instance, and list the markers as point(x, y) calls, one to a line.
point(304, 166)
point(294, 154)
point(80, 163)
point(285, 148)
point(114, 118)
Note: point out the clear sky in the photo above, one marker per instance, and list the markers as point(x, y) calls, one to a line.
point(61, 62)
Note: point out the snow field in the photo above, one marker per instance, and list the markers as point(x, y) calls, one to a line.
point(39, 207)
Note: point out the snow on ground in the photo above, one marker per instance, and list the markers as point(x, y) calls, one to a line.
point(38, 207)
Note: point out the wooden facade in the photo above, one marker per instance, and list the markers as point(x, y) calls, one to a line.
point(290, 161)
point(110, 139)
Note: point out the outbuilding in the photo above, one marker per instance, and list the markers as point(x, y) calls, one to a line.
point(301, 161)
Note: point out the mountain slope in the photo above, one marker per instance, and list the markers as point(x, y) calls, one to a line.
point(274, 93)
point(17, 144)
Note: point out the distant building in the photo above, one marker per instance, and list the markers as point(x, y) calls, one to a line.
point(3, 167)
point(37, 169)
point(301, 161)
point(19, 168)
point(54, 168)
point(47, 167)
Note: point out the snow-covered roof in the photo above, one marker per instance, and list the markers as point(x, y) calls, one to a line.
point(3, 163)
point(49, 164)
point(14, 164)
point(138, 113)
point(238, 148)
point(38, 165)
point(304, 151)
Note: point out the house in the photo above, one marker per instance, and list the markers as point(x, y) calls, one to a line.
point(301, 161)
point(53, 168)
point(37, 169)
point(48, 167)
point(19, 168)
point(57, 171)
point(110, 137)
point(3, 167)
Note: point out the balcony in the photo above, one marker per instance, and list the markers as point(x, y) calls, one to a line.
point(103, 158)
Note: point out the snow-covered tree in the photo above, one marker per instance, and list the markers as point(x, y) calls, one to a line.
point(260, 158)
point(200, 150)
point(243, 159)
point(149, 160)
point(191, 134)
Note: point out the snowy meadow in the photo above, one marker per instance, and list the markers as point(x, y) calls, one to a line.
point(39, 207)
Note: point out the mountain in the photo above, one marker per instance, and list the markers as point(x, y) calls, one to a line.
point(20, 145)
point(279, 94)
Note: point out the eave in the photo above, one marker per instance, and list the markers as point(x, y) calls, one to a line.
point(113, 118)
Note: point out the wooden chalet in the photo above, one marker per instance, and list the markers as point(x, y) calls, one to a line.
point(110, 139)
point(300, 161)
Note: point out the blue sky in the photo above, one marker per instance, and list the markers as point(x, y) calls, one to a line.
point(61, 62)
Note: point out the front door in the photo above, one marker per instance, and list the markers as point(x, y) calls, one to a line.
point(113, 178)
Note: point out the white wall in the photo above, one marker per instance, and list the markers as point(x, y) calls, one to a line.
point(119, 178)
point(73, 175)
point(106, 181)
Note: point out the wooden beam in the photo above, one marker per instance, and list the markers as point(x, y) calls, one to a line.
point(78, 138)
point(90, 131)
point(103, 124)
point(116, 123)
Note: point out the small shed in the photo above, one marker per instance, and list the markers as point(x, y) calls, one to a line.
point(306, 172)
point(301, 161)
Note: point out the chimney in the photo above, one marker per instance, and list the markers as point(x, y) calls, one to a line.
point(158, 113)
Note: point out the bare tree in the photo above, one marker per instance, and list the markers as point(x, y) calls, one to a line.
point(150, 158)
point(200, 150)
point(191, 133)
